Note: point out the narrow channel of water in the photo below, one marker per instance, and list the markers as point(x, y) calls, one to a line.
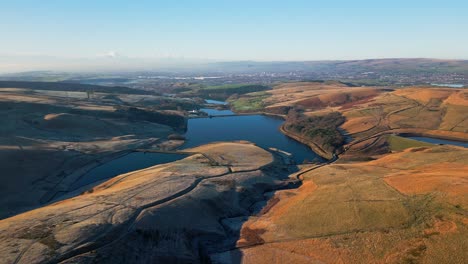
point(448, 85)
point(130, 162)
point(440, 141)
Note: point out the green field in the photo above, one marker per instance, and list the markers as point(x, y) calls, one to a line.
point(397, 143)
point(248, 104)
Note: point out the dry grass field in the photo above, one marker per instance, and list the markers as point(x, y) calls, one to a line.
point(440, 112)
point(406, 207)
point(387, 199)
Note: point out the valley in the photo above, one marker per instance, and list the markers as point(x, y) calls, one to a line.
point(234, 132)
point(309, 172)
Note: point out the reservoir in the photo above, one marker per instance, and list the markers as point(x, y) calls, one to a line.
point(259, 129)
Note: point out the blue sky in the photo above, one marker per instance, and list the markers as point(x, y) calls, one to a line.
point(235, 30)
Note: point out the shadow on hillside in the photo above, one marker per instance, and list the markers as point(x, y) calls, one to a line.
point(240, 236)
point(26, 175)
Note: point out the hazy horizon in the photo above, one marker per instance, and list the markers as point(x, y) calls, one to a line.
point(20, 64)
point(70, 35)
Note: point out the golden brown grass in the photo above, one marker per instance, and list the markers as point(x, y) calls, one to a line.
point(405, 207)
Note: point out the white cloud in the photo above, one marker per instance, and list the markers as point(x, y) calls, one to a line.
point(110, 54)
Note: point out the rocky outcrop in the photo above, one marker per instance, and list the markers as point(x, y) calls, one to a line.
point(177, 212)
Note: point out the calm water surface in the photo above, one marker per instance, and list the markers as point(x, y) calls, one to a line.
point(259, 129)
point(209, 101)
point(215, 112)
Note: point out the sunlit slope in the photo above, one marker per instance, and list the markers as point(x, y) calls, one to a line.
point(405, 207)
point(370, 113)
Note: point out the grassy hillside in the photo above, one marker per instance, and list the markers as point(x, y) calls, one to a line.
point(407, 207)
point(397, 143)
point(251, 103)
point(222, 92)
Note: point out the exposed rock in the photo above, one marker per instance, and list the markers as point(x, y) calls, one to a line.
point(165, 213)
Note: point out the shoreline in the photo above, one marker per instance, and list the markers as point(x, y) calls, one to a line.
point(436, 134)
point(312, 145)
point(316, 148)
point(60, 192)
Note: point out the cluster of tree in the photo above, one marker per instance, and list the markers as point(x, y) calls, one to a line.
point(171, 104)
point(165, 118)
point(322, 130)
point(280, 110)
